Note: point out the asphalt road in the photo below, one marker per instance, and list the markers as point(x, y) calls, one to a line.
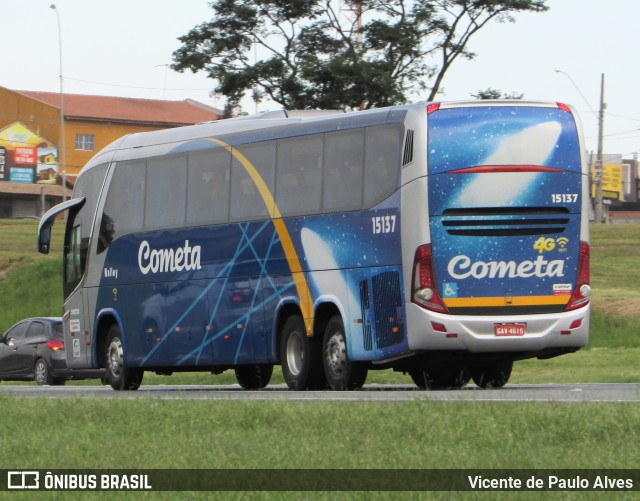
point(370, 393)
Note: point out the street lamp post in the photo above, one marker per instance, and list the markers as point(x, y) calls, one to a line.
point(61, 153)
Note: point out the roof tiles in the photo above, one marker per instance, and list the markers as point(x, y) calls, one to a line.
point(124, 109)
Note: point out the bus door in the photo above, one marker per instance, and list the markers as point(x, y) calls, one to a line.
point(505, 203)
point(77, 334)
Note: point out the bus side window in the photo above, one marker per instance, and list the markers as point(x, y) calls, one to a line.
point(299, 175)
point(88, 186)
point(124, 207)
point(383, 150)
point(247, 202)
point(343, 163)
point(208, 187)
point(166, 192)
point(72, 258)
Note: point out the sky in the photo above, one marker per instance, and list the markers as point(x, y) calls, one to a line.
point(124, 47)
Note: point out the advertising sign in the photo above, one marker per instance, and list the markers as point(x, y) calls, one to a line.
point(611, 182)
point(22, 175)
point(26, 157)
point(47, 171)
point(3, 163)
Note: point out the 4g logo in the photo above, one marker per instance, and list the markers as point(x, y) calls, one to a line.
point(548, 244)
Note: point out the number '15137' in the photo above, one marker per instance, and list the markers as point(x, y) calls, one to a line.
point(383, 224)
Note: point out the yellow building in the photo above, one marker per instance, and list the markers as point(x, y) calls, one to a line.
point(30, 164)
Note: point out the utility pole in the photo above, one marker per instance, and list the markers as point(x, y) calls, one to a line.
point(600, 208)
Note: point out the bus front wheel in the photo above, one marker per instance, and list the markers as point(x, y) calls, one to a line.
point(342, 373)
point(300, 356)
point(118, 375)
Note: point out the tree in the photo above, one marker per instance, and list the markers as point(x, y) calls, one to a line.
point(491, 93)
point(312, 57)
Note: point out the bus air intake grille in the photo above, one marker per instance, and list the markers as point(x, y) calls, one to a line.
point(367, 339)
point(387, 301)
point(505, 222)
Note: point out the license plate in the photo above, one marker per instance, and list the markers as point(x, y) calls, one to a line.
point(510, 329)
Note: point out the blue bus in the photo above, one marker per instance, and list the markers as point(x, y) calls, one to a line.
point(442, 240)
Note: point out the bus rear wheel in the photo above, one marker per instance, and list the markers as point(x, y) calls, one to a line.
point(440, 379)
point(341, 373)
point(300, 356)
point(118, 375)
point(495, 376)
point(254, 377)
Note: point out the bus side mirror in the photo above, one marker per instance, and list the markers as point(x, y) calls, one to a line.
point(46, 223)
point(45, 240)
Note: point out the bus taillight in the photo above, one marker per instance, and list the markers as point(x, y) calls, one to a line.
point(582, 291)
point(424, 290)
point(432, 107)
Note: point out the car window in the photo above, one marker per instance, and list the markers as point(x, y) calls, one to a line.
point(19, 331)
point(56, 330)
point(36, 329)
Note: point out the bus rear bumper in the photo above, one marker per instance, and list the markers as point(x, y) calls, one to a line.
point(428, 330)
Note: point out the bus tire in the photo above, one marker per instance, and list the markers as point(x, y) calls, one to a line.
point(254, 377)
point(341, 373)
point(492, 377)
point(300, 356)
point(440, 379)
point(118, 375)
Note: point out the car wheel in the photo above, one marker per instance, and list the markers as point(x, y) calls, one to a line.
point(492, 377)
point(300, 356)
point(42, 374)
point(254, 377)
point(341, 373)
point(118, 375)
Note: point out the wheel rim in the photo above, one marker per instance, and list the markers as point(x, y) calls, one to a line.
point(336, 354)
point(115, 357)
point(41, 372)
point(295, 353)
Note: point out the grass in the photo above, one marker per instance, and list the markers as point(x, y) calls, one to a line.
point(30, 283)
point(170, 434)
point(244, 434)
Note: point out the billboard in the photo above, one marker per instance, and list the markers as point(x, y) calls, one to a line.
point(26, 157)
point(612, 182)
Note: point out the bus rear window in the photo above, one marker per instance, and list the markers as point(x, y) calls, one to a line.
point(502, 136)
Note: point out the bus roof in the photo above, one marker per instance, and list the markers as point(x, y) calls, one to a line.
point(286, 123)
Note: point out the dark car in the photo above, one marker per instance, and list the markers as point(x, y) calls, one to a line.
point(33, 349)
